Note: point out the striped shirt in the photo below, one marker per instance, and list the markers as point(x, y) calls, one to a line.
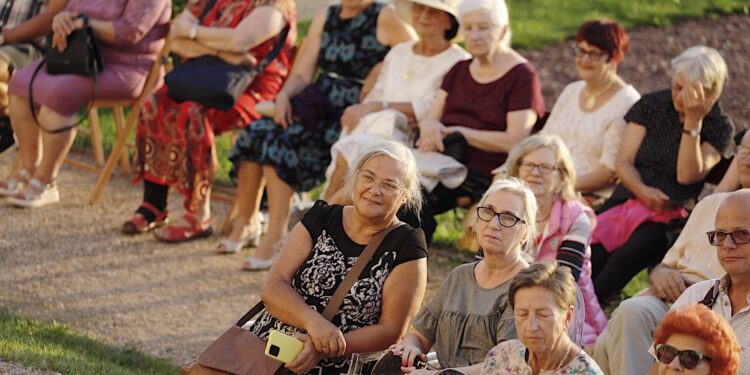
point(740, 322)
point(16, 12)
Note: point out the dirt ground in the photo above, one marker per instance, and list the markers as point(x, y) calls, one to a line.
point(69, 263)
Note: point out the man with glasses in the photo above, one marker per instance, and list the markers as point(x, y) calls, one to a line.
point(622, 348)
point(729, 296)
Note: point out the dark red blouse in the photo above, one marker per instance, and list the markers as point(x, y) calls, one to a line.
point(485, 106)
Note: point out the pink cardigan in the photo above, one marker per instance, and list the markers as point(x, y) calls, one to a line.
point(562, 216)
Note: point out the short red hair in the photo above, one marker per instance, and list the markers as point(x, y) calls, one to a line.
point(698, 321)
point(607, 35)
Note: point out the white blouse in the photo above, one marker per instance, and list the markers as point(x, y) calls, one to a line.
point(408, 77)
point(593, 138)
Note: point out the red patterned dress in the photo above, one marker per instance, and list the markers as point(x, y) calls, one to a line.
point(175, 141)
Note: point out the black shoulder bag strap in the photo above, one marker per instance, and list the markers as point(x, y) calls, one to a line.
point(710, 299)
point(338, 296)
point(97, 67)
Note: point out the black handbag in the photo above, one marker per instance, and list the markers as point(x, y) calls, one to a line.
point(211, 81)
point(81, 57)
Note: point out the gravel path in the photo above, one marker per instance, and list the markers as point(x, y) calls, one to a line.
point(70, 264)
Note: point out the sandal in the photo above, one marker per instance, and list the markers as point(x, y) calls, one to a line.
point(138, 223)
point(14, 185)
point(250, 238)
point(41, 195)
point(182, 233)
point(253, 263)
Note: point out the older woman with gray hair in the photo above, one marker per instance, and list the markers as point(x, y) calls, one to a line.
point(563, 222)
point(543, 298)
point(672, 141)
point(470, 313)
point(324, 246)
point(485, 106)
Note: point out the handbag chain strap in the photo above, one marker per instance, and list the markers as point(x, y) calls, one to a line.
point(94, 52)
point(341, 291)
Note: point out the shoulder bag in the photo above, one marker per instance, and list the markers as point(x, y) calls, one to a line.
point(240, 352)
point(80, 57)
point(211, 81)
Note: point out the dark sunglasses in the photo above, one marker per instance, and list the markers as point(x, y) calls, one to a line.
point(689, 359)
point(739, 237)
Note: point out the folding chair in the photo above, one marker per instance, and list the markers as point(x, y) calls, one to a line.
point(123, 130)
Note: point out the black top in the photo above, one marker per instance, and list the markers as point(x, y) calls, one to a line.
point(332, 256)
point(656, 160)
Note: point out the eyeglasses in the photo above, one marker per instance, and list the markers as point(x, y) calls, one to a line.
point(739, 237)
point(368, 181)
point(594, 55)
point(743, 150)
point(505, 219)
point(689, 359)
point(544, 168)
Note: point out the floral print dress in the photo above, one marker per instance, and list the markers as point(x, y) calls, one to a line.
point(349, 48)
point(509, 357)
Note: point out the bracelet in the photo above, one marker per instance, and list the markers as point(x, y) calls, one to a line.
point(193, 31)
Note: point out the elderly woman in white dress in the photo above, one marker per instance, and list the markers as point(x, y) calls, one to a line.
point(405, 89)
point(588, 114)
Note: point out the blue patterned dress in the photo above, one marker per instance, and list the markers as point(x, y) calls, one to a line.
point(348, 50)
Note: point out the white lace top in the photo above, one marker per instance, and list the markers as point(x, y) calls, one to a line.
point(593, 138)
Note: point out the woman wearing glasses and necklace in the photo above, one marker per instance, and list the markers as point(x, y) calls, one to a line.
point(470, 313)
point(588, 114)
point(564, 224)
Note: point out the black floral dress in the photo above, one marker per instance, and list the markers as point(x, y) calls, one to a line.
point(300, 154)
point(333, 255)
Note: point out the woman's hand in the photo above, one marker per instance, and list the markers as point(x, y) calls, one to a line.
point(282, 113)
point(62, 25)
point(430, 136)
point(307, 358)
point(237, 58)
point(695, 101)
point(327, 338)
point(409, 354)
point(655, 199)
point(181, 26)
point(354, 113)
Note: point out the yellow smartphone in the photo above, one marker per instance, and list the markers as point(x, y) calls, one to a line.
point(282, 347)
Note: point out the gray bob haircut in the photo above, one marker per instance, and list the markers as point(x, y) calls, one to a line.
point(702, 64)
point(496, 10)
point(403, 157)
point(519, 188)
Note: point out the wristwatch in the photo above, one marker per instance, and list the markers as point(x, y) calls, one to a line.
point(193, 31)
point(693, 132)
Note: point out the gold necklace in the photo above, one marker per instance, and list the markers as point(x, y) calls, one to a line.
point(411, 70)
point(590, 101)
point(562, 361)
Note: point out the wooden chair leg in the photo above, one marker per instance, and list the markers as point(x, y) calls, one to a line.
point(96, 137)
point(117, 149)
point(119, 125)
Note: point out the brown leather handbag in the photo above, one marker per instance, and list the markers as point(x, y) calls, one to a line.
point(240, 352)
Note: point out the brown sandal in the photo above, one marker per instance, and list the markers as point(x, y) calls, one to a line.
point(182, 233)
point(138, 224)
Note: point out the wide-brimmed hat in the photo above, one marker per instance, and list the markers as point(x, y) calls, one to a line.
point(403, 7)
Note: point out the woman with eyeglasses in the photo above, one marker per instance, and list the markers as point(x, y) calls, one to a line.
point(470, 313)
point(588, 114)
point(564, 224)
point(673, 140)
point(695, 340)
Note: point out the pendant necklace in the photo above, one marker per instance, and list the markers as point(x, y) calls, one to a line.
point(590, 101)
point(411, 70)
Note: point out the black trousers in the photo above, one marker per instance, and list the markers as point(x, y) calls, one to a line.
point(644, 249)
point(442, 199)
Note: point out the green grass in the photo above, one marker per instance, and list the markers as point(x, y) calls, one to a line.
point(53, 347)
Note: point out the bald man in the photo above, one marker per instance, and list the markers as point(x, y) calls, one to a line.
point(622, 348)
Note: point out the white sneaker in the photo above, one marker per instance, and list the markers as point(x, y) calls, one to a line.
point(44, 195)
